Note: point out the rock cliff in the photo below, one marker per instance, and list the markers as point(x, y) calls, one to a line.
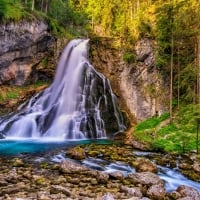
point(28, 52)
point(139, 86)
point(24, 47)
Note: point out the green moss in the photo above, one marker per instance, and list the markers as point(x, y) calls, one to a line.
point(14, 92)
point(13, 95)
point(129, 57)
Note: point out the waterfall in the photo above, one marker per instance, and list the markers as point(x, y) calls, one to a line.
point(79, 104)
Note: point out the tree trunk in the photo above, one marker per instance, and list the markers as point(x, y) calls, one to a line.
point(178, 80)
point(42, 5)
point(171, 77)
point(46, 6)
point(138, 5)
point(171, 66)
point(33, 5)
point(198, 69)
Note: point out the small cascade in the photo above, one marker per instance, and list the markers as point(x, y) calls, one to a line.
point(79, 104)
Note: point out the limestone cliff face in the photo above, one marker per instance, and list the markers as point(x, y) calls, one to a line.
point(23, 46)
point(140, 88)
point(28, 52)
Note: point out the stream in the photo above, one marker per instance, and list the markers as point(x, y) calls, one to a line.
point(37, 148)
point(172, 177)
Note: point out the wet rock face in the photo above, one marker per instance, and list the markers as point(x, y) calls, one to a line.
point(139, 86)
point(23, 45)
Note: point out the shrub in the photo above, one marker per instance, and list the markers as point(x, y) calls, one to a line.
point(129, 58)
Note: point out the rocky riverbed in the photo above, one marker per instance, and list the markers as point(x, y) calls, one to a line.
point(52, 176)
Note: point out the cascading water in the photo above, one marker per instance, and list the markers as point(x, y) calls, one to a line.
point(78, 105)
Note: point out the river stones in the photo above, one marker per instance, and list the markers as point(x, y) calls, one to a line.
point(196, 167)
point(185, 166)
point(116, 175)
point(55, 189)
point(156, 192)
point(145, 178)
point(102, 177)
point(140, 146)
point(107, 196)
point(174, 195)
point(18, 162)
point(189, 192)
point(132, 191)
point(145, 165)
point(76, 153)
point(68, 166)
point(71, 180)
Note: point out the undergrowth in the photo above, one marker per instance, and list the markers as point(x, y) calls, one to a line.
point(12, 11)
point(179, 136)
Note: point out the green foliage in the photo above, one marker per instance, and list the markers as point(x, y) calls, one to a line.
point(44, 62)
point(151, 122)
point(129, 57)
point(188, 79)
point(65, 14)
point(55, 28)
point(14, 92)
point(12, 10)
point(179, 136)
point(12, 95)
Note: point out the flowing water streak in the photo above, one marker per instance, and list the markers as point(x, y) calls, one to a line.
point(75, 106)
point(172, 177)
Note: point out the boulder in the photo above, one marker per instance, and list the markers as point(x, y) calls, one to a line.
point(188, 192)
point(132, 192)
point(55, 189)
point(18, 162)
point(102, 177)
point(145, 178)
point(76, 153)
point(145, 165)
point(107, 196)
point(156, 192)
point(140, 146)
point(174, 195)
point(116, 175)
point(68, 166)
point(196, 167)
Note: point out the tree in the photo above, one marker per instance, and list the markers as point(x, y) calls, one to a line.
point(165, 37)
point(33, 5)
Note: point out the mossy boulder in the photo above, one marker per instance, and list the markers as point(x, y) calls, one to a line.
point(76, 153)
